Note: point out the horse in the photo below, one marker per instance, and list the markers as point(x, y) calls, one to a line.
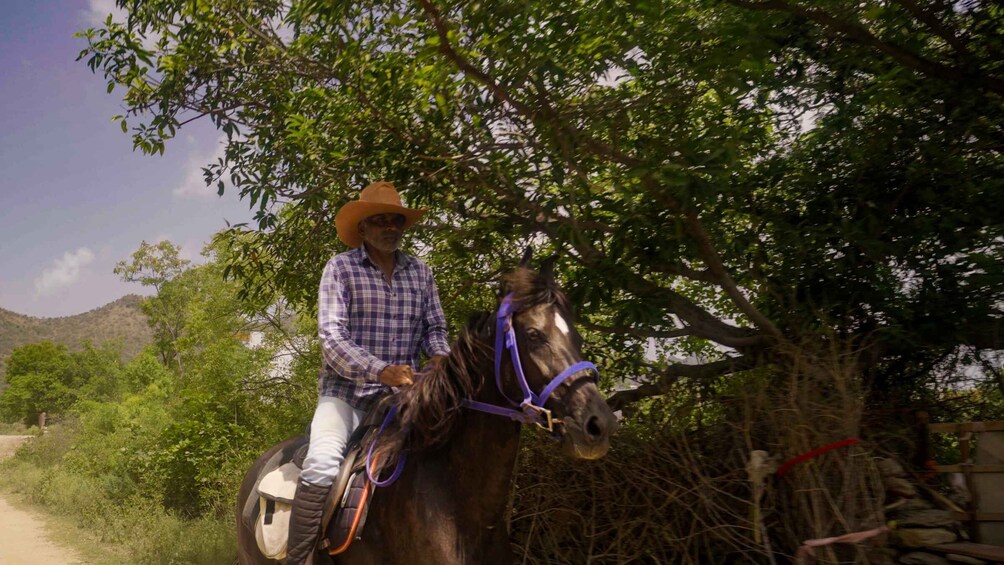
point(450, 501)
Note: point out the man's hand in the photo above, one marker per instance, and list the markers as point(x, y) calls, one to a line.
point(436, 361)
point(396, 375)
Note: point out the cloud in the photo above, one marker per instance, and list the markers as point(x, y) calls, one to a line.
point(64, 271)
point(97, 12)
point(194, 183)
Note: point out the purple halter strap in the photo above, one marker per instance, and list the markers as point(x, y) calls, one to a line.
point(531, 409)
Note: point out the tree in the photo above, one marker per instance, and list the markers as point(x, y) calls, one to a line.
point(885, 212)
point(102, 370)
point(158, 266)
point(46, 377)
point(217, 409)
point(655, 147)
point(41, 378)
point(153, 265)
point(33, 393)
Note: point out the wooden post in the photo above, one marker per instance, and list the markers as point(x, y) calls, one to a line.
point(989, 451)
point(965, 450)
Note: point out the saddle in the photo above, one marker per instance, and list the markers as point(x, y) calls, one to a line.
point(347, 506)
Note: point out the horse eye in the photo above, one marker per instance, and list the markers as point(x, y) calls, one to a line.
point(534, 334)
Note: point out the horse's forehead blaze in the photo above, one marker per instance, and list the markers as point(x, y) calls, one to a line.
point(560, 322)
point(548, 318)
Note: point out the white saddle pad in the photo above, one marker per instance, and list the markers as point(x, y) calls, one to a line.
point(276, 491)
point(280, 484)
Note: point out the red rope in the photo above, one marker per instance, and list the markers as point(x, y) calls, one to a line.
point(814, 453)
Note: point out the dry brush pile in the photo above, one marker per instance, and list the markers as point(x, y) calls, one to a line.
point(675, 486)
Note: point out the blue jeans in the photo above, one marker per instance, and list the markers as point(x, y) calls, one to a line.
point(332, 426)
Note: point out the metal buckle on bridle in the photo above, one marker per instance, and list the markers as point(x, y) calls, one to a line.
point(543, 416)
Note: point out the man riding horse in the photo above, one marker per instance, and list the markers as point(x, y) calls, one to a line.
point(378, 309)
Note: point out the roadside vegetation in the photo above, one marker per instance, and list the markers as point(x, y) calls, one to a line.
point(147, 454)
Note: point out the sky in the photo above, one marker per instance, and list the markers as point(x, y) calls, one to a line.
point(75, 198)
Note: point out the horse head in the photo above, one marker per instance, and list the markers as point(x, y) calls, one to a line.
point(556, 382)
point(540, 376)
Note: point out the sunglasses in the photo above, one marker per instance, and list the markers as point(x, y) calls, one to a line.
point(385, 221)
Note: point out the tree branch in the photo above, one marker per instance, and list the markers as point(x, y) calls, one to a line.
point(685, 272)
point(855, 32)
point(937, 26)
point(637, 332)
point(708, 252)
point(727, 283)
point(699, 322)
point(662, 382)
point(500, 93)
point(987, 334)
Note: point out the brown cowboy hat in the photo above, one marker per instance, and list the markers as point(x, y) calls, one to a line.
point(378, 198)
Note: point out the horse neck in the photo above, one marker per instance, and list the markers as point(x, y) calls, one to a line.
point(482, 453)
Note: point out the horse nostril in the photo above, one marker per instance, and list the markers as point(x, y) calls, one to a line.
point(594, 428)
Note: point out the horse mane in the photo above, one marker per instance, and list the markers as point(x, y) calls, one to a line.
point(429, 410)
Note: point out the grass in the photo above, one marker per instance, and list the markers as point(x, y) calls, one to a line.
point(17, 429)
point(107, 532)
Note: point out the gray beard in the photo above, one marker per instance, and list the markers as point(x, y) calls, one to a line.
point(381, 246)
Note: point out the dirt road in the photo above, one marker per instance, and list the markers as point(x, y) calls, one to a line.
point(24, 539)
point(9, 444)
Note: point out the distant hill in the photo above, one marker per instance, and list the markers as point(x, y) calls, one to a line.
point(122, 321)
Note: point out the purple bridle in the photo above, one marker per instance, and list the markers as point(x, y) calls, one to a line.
point(531, 409)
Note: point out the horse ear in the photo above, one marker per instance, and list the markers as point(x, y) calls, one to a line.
point(547, 267)
point(527, 255)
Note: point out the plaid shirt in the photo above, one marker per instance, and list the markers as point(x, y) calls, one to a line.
point(365, 324)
